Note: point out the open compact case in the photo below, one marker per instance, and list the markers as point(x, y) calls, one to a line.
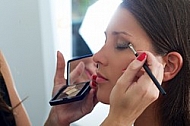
point(79, 71)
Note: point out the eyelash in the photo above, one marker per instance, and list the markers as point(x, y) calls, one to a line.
point(122, 46)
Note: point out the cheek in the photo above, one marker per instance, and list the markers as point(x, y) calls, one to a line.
point(103, 93)
point(104, 90)
point(117, 72)
point(113, 72)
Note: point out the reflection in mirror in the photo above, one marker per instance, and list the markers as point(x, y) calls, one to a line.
point(80, 70)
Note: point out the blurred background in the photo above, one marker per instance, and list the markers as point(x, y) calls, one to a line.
point(31, 33)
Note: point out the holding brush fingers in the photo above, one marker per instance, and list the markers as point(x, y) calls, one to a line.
point(134, 93)
point(148, 71)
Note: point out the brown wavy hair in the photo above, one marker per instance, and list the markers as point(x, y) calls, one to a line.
point(6, 109)
point(167, 23)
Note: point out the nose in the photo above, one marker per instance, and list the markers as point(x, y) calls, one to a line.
point(100, 57)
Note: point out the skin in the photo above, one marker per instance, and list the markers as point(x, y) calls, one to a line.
point(112, 60)
point(130, 97)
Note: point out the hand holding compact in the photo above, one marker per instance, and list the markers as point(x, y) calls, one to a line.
point(67, 113)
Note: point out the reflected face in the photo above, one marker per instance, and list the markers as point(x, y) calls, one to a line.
point(115, 56)
point(86, 72)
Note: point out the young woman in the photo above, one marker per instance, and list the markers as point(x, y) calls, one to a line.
point(160, 32)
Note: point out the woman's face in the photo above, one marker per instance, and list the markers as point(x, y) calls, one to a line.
point(114, 56)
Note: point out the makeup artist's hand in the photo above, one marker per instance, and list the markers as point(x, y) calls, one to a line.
point(134, 91)
point(67, 113)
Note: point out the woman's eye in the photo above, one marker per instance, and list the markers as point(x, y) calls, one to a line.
point(122, 46)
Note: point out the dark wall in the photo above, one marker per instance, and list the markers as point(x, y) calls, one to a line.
point(79, 45)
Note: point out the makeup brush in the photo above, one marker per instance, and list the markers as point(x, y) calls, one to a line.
point(149, 72)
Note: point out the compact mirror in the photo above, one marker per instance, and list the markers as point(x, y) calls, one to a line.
point(79, 72)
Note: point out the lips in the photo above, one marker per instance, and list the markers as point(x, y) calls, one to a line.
point(100, 79)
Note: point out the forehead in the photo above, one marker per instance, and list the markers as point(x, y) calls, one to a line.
point(124, 21)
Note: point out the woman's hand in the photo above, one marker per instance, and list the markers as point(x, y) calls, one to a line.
point(67, 113)
point(134, 91)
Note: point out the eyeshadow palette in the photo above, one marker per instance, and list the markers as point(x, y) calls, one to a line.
point(78, 79)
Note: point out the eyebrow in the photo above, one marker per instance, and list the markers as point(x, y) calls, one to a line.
point(120, 32)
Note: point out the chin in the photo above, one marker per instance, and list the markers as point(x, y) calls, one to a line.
point(107, 103)
point(102, 97)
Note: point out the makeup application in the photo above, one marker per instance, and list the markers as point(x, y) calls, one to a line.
point(149, 72)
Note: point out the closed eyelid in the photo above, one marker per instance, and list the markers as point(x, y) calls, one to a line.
point(124, 43)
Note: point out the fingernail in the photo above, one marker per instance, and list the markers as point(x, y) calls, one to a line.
point(58, 51)
point(94, 77)
point(141, 57)
point(94, 84)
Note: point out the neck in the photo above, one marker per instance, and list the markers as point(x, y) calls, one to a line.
point(148, 117)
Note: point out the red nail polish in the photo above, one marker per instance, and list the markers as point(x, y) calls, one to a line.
point(141, 57)
point(94, 77)
point(93, 84)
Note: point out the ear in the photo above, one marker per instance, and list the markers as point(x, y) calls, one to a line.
point(173, 64)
